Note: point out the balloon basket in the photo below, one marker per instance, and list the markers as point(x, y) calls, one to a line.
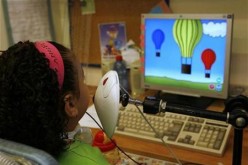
point(157, 54)
point(207, 75)
point(186, 68)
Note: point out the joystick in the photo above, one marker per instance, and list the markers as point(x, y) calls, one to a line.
point(106, 101)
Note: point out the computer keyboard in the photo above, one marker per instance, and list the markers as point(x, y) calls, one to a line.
point(194, 133)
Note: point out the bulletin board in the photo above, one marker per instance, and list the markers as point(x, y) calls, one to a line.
point(84, 28)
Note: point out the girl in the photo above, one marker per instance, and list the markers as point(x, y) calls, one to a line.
point(42, 98)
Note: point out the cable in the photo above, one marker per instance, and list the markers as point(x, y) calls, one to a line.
point(136, 103)
point(155, 131)
point(114, 141)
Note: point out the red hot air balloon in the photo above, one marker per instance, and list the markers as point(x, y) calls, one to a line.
point(208, 58)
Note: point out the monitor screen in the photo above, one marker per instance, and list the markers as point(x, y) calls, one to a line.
point(187, 54)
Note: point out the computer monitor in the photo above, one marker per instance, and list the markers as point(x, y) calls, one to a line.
point(187, 56)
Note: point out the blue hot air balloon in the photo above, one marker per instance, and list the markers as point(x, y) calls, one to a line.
point(158, 39)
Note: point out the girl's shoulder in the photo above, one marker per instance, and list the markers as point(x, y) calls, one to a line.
point(80, 153)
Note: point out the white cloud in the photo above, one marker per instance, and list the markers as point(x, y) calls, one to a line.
point(214, 29)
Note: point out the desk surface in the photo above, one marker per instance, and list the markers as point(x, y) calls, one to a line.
point(158, 150)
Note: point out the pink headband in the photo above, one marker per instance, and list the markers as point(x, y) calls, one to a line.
point(54, 57)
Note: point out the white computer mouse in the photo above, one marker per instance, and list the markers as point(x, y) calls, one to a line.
point(106, 101)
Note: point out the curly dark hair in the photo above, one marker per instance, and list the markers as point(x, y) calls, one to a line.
point(31, 103)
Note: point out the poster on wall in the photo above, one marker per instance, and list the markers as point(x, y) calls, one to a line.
point(112, 38)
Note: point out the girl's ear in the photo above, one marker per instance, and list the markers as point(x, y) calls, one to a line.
point(70, 105)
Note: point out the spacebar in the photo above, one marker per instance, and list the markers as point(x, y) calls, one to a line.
point(139, 132)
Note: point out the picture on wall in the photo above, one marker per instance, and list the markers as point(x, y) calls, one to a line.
point(112, 38)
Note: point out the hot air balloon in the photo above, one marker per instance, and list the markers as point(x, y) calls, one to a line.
point(158, 39)
point(187, 33)
point(208, 58)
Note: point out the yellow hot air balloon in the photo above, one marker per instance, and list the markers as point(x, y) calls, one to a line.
point(187, 33)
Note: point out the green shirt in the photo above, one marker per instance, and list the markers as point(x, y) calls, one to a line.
point(81, 153)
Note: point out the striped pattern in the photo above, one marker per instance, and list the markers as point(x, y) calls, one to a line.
point(187, 33)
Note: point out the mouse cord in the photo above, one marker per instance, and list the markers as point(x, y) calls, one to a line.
point(114, 141)
point(154, 130)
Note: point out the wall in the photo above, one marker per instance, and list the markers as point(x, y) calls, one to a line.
point(84, 28)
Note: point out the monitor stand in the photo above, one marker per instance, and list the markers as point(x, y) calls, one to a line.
point(182, 100)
